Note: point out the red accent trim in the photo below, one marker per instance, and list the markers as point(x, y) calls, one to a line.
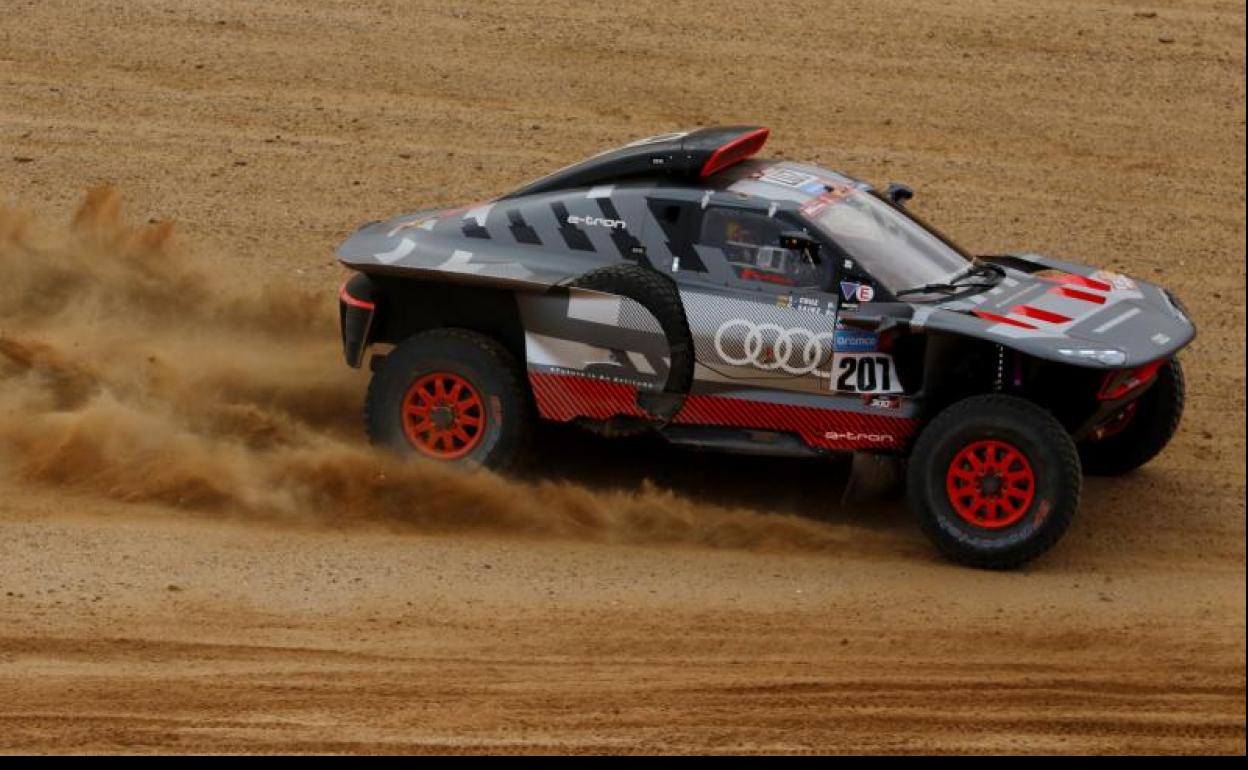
point(1122, 381)
point(1087, 296)
point(749, 274)
point(443, 416)
point(824, 428)
point(352, 301)
point(1000, 319)
point(1039, 314)
point(565, 397)
point(735, 151)
point(990, 484)
point(1082, 280)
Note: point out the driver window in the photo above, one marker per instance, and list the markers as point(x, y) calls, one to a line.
point(750, 242)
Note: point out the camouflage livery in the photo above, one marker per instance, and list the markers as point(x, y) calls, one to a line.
point(764, 351)
point(677, 286)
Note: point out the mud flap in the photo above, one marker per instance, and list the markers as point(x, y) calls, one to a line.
point(872, 477)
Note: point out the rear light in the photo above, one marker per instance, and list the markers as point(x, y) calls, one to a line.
point(1122, 382)
point(345, 297)
point(356, 309)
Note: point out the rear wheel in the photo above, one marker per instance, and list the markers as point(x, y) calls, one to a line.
point(451, 395)
point(994, 481)
point(1141, 430)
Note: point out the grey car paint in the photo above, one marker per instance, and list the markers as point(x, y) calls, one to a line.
point(533, 243)
point(592, 333)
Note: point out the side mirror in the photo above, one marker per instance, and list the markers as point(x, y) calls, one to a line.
point(796, 240)
point(899, 193)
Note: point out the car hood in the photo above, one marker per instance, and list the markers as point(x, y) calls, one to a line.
point(1067, 312)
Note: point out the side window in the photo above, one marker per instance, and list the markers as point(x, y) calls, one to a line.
point(750, 243)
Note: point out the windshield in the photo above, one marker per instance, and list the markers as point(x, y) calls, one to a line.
point(894, 248)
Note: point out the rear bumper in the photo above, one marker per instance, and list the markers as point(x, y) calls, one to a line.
point(357, 308)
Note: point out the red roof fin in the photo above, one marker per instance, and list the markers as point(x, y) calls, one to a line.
point(735, 151)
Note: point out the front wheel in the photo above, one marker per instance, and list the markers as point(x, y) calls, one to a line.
point(994, 481)
point(451, 395)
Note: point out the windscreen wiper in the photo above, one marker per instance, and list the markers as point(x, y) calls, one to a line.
point(952, 286)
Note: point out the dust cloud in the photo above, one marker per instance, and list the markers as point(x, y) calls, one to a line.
point(132, 368)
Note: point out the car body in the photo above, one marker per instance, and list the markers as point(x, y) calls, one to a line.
point(802, 311)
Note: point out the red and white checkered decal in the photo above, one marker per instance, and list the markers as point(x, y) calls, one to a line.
point(565, 397)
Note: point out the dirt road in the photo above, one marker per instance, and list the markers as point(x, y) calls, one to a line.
point(199, 553)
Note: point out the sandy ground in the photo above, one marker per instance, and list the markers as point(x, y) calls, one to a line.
point(198, 554)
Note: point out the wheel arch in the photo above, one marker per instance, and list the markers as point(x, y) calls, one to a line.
point(405, 306)
point(957, 367)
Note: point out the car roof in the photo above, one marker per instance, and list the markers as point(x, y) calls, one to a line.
point(783, 180)
point(715, 159)
point(788, 184)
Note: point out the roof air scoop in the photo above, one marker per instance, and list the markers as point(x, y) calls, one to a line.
point(742, 145)
point(693, 154)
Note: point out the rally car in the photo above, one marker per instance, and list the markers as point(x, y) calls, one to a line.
point(678, 286)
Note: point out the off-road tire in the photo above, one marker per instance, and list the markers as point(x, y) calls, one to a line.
point(657, 294)
point(1049, 458)
point(1153, 424)
point(488, 369)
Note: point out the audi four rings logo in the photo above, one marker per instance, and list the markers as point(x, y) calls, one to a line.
point(770, 347)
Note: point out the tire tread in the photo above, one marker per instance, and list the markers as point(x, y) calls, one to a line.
point(1052, 433)
point(504, 365)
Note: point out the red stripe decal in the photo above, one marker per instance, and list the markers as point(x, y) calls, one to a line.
point(565, 397)
point(1082, 280)
point(1000, 319)
point(824, 428)
point(1039, 314)
point(352, 301)
point(1086, 296)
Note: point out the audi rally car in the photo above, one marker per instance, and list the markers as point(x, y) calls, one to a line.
point(677, 286)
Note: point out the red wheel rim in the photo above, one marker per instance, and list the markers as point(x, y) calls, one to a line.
point(443, 416)
point(990, 484)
